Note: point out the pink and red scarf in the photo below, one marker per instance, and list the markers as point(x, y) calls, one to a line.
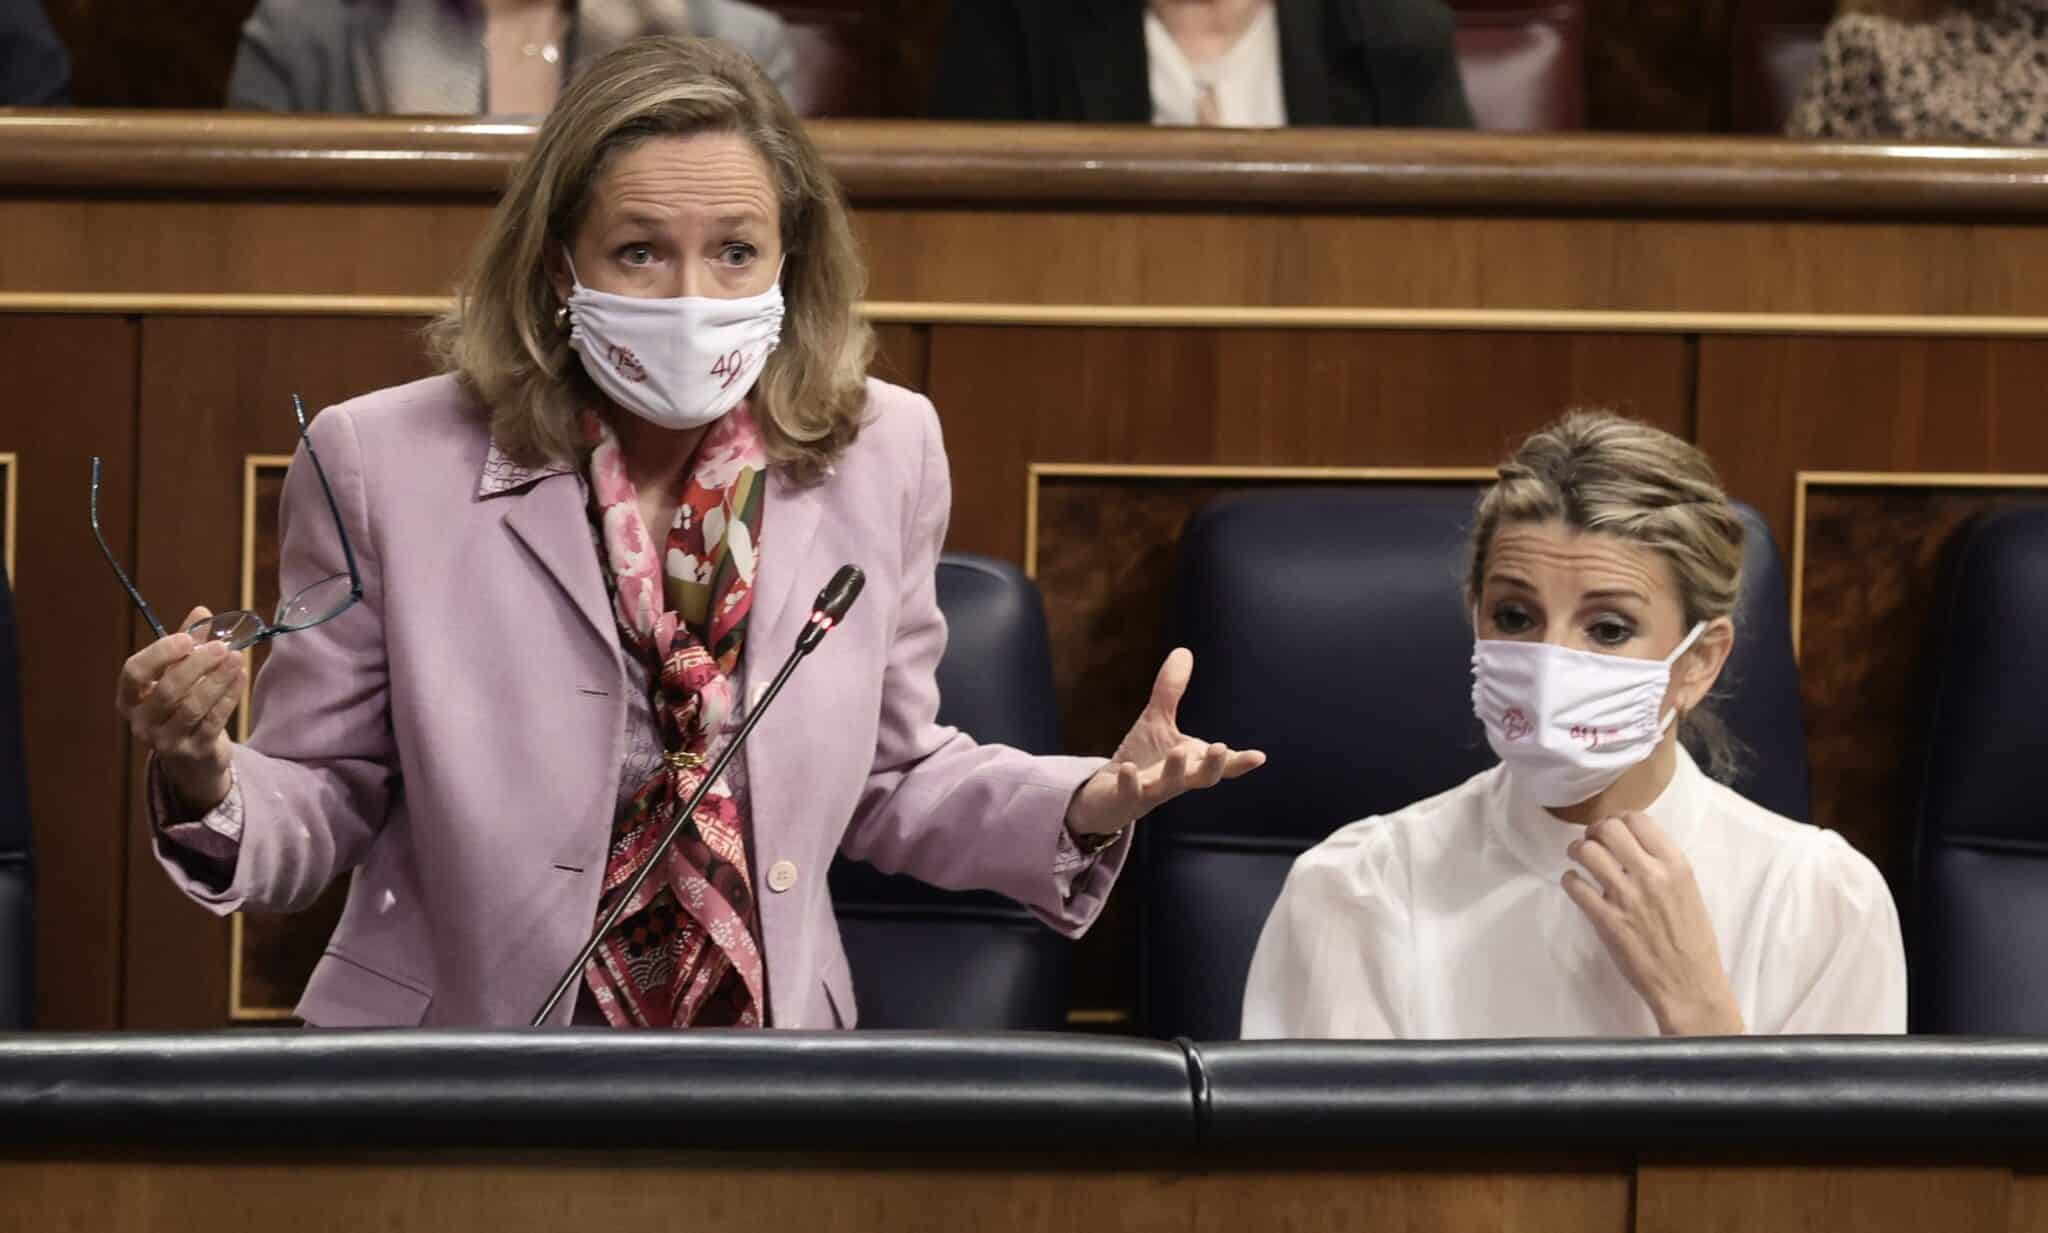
point(686, 952)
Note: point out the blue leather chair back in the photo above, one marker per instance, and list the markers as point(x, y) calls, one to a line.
point(1329, 629)
point(17, 902)
point(1758, 694)
point(927, 958)
point(1980, 918)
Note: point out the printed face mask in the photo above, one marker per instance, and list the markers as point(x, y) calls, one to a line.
point(679, 363)
point(1569, 723)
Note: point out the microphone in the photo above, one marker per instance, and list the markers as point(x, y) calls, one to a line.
point(826, 611)
point(830, 606)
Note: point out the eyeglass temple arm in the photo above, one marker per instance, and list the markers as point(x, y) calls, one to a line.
point(348, 553)
point(133, 594)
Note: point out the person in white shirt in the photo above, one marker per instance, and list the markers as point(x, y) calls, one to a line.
point(1597, 882)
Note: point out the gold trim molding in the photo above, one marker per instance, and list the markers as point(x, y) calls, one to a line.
point(1804, 480)
point(235, 304)
point(10, 503)
point(1037, 472)
point(1478, 320)
point(252, 467)
point(1126, 316)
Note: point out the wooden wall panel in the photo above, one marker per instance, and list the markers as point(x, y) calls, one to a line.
point(1771, 406)
point(903, 355)
point(1108, 256)
point(1011, 396)
point(329, 247)
point(71, 388)
point(1378, 259)
point(215, 390)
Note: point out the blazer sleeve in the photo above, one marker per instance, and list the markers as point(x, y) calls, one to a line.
point(759, 32)
point(938, 805)
point(262, 76)
point(983, 65)
point(35, 70)
point(1428, 89)
point(1843, 97)
point(316, 777)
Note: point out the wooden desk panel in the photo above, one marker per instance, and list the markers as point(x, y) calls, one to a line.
point(501, 1192)
point(70, 394)
point(505, 1192)
point(1802, 1198)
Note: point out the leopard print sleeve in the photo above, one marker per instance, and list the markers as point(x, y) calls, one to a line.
point(1843, 98)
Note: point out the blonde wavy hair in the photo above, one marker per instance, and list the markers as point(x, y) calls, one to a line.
point(1601, 472)
point(501, 338)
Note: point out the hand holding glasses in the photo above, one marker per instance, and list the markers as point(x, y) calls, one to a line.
point(242, 628)
point(178, 692)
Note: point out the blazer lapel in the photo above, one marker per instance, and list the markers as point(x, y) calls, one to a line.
point(783, 587)
point(789, 524)
point(1106, 44)
point(548, 518)
point(1331, 54)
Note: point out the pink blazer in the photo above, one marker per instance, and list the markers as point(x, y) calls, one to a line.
point(456, 739)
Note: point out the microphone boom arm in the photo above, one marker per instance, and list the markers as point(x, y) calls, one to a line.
point(832, 605)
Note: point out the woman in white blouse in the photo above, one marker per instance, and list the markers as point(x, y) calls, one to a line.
point(1596, 882)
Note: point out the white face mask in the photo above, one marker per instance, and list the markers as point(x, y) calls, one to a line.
point(1569, 723)
point(679, 363)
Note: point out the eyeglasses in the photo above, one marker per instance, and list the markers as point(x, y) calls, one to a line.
point(240, 629)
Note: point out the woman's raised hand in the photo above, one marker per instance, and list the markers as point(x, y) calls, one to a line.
point(1156, 760)
point(1646, 906)
point(176, 697)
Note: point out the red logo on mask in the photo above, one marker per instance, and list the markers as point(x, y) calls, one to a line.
point(729, 366)
point(1514, 725)
point(1586, 735)
point(626, 362)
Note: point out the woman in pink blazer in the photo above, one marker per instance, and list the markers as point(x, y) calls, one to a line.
point(500, 689)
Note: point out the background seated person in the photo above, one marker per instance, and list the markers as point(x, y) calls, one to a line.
point(466, 57)
point(1931, 70)
point(1238, 63)
point(1596, 882)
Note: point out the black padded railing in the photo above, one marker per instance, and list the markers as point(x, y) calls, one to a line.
point(1085, 1097)
point(1788, 1092)
point(705, 1089)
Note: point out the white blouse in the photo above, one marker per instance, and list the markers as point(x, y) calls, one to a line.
point(1447, 919)
point(1245, 81)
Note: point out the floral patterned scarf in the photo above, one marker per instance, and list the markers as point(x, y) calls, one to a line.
point(685, 952)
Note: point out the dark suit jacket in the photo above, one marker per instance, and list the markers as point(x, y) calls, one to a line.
point(1387, 62)
point(34, 70)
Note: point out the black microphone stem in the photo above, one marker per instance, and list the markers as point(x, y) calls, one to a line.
point(675, 828)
